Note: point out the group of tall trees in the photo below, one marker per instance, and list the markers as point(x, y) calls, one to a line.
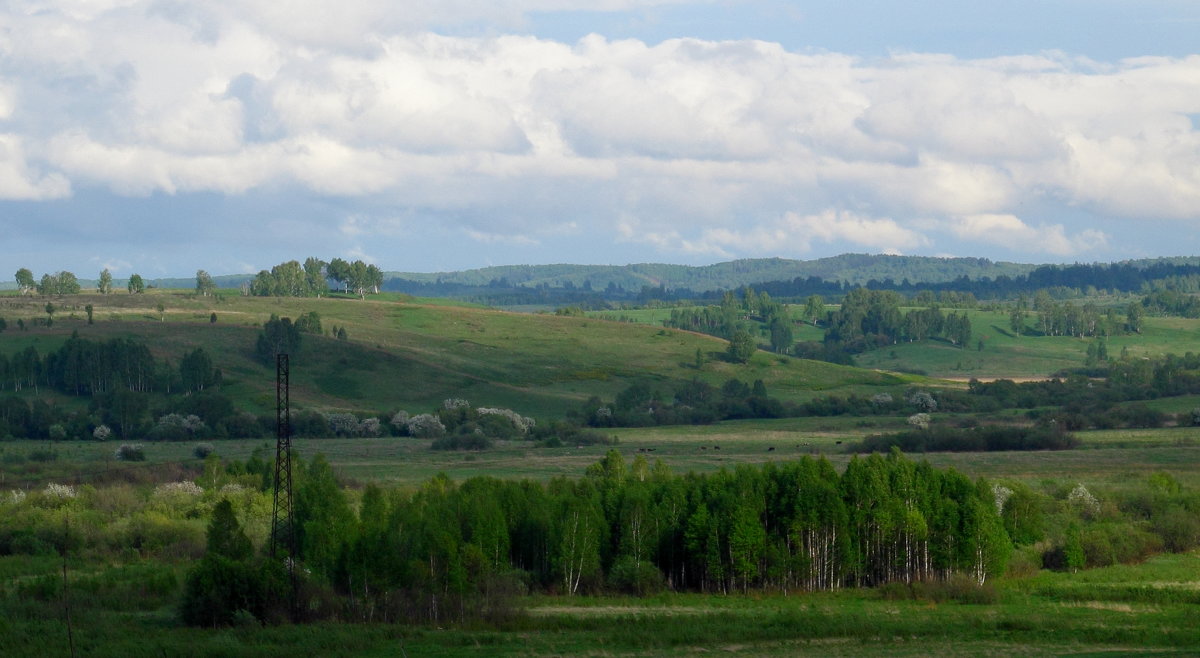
point(310, 279)
point(737, 319)
point(865, 319)
point(357, 277)
point(66, 283)
point(1064, 318)
point(638, 528)
point(280, 336)
point(118, 374)
point(872, 318)
point(86, 367)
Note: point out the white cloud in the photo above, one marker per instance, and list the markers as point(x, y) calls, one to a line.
point(717, 148)
point(792, 234)
point(8, 100)
point(1009, 232)
point(500, 238)
point(115, 266)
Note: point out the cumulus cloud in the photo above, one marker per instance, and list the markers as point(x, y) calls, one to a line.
point(19, 181)
point(1009, 232)
point(792, 234)
point(716, 148)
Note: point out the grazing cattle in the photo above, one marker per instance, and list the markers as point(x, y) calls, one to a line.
point(716, 447)
point(771, 449)
point(704, 447)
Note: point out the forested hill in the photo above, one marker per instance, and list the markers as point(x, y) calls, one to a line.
point(851, 268)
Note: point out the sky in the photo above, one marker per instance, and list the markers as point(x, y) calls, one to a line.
point(165, 136)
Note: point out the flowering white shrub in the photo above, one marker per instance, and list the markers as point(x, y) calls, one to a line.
point(232, 489)
point(342, 424)
point(522, 423)
point(400, 419)
point(184, 488)
point(370, 427)
point(1083, 500)
point(1002, 494)
point(59, 491)
point(920, 421)
point(880, 399)
point(923, 401)
point(178, 426)
point(454, 403)
point(16, 497)
point(425, 426)
point(101, 433)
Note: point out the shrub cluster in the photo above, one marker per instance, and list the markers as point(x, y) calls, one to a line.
point(941, 438)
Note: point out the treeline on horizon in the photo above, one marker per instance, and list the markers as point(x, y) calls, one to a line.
point(1116, 277)
point(913, 276)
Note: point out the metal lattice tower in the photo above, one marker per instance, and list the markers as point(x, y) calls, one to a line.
point(283, 531)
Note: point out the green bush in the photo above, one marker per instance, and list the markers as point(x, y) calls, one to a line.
point(29, 544)
point(130, 452)
point(1178, 528)
point(958, 587)
point(630, 577)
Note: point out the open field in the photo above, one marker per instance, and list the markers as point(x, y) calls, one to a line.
point(1105, 457)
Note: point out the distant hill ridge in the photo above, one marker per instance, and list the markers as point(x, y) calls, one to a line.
point(851, 268)
point(854, 269)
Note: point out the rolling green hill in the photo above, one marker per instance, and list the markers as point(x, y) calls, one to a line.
point(1029, 356)
point(408, 354)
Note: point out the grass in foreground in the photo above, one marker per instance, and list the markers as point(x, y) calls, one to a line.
point(1089, 613)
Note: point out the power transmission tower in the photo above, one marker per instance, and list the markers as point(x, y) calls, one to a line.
point(283, 522)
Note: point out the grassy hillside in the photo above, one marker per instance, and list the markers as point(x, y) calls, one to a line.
point(408, 354)
point(1007, 355)
point(1004, 354)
